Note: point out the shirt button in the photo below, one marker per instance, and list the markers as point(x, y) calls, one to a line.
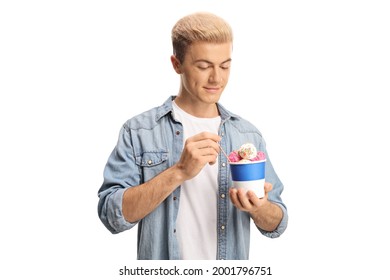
point(223, 134)
point(149, 161)
point(223, 164)
point(222, 227)
point(177, 132)
point(174, 198)
point(174, 231)
point(223, 195)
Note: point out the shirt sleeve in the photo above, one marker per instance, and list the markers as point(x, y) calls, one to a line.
point(120, 173)
point(274, 196)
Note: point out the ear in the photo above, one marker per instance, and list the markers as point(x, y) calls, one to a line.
point(176, 64)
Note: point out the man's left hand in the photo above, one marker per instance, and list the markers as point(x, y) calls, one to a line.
point(264, 213)
point(247, 200)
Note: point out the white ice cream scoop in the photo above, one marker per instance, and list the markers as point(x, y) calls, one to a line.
point(247, 151)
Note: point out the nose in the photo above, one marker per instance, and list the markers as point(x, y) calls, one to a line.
point(215, 75)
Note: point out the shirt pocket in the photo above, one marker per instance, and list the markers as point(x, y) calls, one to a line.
point(152, 163)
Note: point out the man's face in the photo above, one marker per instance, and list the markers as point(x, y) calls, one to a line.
point(205, 72)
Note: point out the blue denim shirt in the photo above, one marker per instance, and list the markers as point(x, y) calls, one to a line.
point(150, 143)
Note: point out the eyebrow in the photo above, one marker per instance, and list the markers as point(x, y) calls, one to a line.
point(209, 62)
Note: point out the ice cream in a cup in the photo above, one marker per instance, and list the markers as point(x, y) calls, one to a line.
point(247, 166)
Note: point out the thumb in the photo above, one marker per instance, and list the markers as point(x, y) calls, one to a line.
point(267, 187)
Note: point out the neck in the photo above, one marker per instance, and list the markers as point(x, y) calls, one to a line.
point(198, 109)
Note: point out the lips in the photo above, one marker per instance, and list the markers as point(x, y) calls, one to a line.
point(213, 89)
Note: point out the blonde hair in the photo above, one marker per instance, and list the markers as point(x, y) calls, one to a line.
point(204, 27)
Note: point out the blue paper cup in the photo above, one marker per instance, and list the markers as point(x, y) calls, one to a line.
point(249, 176)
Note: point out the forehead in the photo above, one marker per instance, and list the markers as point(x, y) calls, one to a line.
point(212, 52)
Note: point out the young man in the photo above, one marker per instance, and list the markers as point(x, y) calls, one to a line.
point(166, 173)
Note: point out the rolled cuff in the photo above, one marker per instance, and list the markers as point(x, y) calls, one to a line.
point(113, 217)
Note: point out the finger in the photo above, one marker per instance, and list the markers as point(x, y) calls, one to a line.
point(234, 198)
point(208, 151)
point(208, 144)
point(202, 148)
point(200, 142)
point(206, 135)
point(211, 159)
point(256, 202)
point(244, 200)
point(267, 187)
point(209, 155)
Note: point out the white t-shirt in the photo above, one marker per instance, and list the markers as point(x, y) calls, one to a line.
point(196, 224)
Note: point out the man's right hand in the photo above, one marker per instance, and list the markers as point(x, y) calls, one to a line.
point(198, 150)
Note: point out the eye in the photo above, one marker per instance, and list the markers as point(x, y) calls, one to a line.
point(225, 66)
point(203, 66)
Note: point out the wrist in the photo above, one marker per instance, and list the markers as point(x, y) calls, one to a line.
point(177, 174)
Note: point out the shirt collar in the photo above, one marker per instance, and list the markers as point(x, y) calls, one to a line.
point(167, 108)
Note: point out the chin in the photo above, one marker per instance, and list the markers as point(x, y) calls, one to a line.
point(212, 99)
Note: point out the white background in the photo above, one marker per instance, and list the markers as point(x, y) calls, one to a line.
point(71, 72)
